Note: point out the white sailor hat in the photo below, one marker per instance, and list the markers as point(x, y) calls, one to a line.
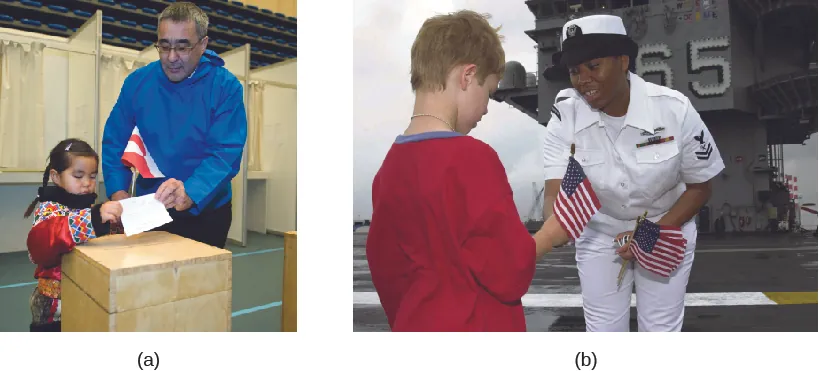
point(595, 36)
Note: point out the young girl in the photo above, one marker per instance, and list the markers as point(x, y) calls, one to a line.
point(64, 218)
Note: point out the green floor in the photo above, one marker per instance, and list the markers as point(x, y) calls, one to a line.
point(257, 286)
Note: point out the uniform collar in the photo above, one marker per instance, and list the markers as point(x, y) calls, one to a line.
point(638, 110)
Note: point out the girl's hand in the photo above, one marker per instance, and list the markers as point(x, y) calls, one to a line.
point(111, 211)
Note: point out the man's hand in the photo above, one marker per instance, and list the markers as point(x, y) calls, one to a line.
point(168, 192)
point(622, 241)
point(172, 194)
point(119, 195)
point(183, 203)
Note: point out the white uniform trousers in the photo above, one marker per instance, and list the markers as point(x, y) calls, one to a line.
point(660, 301)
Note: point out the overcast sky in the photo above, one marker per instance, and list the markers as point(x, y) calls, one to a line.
point(383, 35)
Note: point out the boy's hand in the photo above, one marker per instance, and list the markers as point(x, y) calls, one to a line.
point(111, 211)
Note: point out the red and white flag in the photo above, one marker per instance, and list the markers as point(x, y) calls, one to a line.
point(137, 156)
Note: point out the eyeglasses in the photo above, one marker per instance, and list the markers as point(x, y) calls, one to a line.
point(180, 50)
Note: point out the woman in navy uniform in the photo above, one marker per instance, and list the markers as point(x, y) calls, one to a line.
point(645, 149)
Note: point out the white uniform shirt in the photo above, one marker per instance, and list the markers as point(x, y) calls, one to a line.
point(628, 180)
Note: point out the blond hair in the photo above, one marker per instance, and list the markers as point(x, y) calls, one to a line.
point(446, 41)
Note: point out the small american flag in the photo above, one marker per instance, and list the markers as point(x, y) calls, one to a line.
point(659, 249)
point(576, 202)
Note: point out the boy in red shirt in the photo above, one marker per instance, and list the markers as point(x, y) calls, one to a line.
point(446, 248)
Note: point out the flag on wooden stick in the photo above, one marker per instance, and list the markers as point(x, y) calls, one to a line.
point(137, 156)
point(576, 201)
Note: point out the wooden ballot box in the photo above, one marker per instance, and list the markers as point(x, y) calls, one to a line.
point(153, 281)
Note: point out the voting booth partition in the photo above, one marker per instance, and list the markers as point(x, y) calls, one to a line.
point(50, 91)
point(267, 179)
point(270, 169)
point(273, 118)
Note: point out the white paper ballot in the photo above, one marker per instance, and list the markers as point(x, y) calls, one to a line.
point(143, 213)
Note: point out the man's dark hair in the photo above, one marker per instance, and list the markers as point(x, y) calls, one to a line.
point(183, 12)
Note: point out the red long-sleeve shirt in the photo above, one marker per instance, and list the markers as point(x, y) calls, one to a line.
point(57, 230)
point(446, 248)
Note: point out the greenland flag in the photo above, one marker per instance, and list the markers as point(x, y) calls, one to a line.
point(137, 156)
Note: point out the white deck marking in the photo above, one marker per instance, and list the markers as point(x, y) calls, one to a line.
point(576, 300)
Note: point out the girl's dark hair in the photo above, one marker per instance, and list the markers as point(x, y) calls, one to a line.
point(60, 159)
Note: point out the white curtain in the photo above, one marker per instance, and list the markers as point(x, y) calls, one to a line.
point(255, 121)
point(113, 71)
point(22, 112)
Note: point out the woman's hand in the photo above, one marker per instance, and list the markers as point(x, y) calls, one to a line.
point(622, 242)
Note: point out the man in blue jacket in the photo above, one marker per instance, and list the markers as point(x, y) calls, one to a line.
point(189, 111)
